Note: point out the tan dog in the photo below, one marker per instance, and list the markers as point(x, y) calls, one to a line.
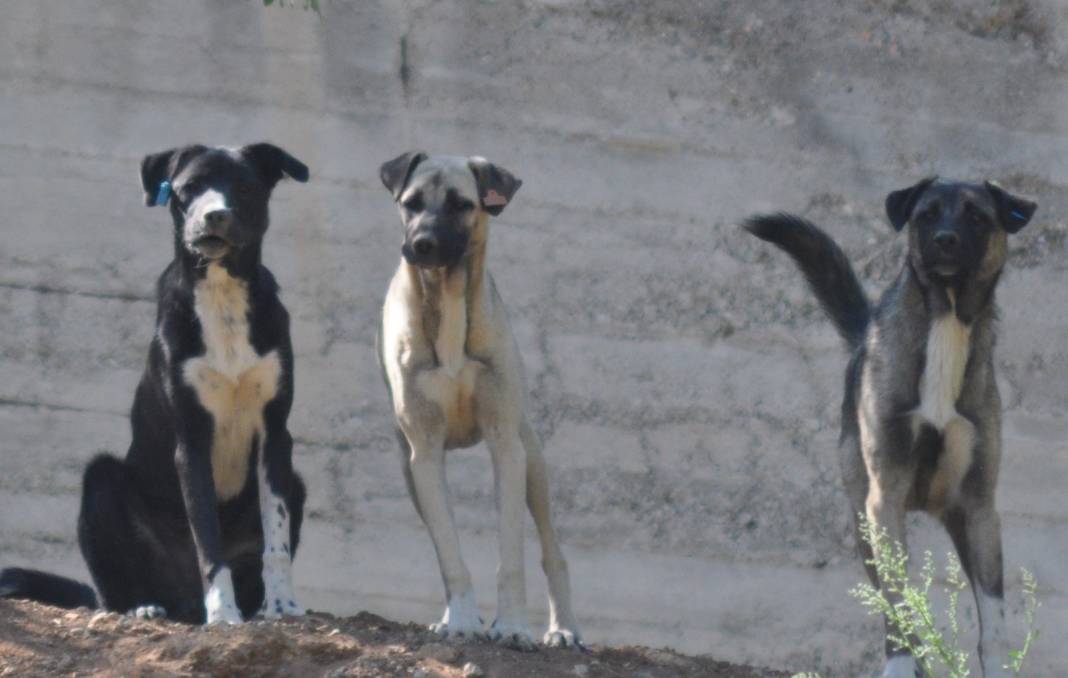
point(455, 378)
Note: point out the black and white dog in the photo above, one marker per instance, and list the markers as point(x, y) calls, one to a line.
point(203, 516)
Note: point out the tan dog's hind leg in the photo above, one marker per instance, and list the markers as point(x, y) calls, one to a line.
point(427, 465)
point(563, 629)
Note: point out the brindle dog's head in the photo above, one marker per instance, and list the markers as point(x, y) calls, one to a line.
point(217, 196)
point(957, 231)
point(443, 202)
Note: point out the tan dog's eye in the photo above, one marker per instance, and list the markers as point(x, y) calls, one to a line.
point(414, 203)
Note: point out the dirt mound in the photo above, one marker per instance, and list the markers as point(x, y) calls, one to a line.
point(37, 640)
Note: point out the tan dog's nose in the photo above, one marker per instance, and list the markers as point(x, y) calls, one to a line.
point(424, 244)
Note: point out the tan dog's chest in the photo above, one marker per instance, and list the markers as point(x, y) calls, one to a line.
point(455, 395)
point(232, 381)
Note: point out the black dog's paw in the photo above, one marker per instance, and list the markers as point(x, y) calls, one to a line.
point(148, 612)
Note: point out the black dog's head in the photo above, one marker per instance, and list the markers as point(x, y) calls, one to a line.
point(443, 203)
point(956, 229)
point(217, 196)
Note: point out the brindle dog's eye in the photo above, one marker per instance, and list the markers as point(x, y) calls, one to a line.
point(414, 203)
point(931, 212)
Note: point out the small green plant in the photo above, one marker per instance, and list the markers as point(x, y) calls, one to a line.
point(907, 605)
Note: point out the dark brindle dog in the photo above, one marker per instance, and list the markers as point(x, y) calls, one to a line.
point(203, 516)
point(921, 419)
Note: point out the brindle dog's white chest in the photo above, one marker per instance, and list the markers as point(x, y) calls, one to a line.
point(231, 380)
point(948, 346)
point(943, 373)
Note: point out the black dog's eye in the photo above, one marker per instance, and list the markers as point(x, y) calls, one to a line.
point(191, 188)
point(414, 203)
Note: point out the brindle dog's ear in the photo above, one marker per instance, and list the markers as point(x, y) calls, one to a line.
point(899, 204)
point(155, 169)
point(1013, 210)
point(396, 172)
point(496, 185)
point(274, 163)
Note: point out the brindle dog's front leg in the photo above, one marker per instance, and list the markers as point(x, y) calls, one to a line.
point(193, 462)
point(975, 527)
point(886, 444)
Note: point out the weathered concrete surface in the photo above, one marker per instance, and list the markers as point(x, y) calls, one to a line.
point(686, 384)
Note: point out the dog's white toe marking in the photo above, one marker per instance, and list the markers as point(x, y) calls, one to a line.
point(461, 618)
point(514, 634)
point(562, 638)
point(148, 612)
point(901, 666)
point(219, 601)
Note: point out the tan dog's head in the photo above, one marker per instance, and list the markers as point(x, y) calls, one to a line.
point(443, 202)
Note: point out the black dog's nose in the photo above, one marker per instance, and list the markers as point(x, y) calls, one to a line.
point(947, 241)
point(217, 218)
point(424, 245)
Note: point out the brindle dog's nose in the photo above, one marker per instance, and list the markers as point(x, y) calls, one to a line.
point(218, 219)
point(424, 244)
point(947, 241)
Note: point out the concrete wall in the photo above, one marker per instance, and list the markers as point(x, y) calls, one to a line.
point(686, 384)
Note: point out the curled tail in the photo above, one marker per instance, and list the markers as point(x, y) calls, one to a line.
point(16, 582)
point(824, 265)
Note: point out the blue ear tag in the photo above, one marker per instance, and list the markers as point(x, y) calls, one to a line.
point(1019, 216)
point(164, 193)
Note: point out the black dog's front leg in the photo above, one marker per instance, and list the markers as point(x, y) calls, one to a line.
point(193, 462)
point(275, 482)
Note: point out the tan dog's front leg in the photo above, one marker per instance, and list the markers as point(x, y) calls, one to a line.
point(427, 465)
point(512, 627)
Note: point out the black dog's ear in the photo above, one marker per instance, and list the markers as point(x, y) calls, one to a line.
point(1013, 210)
point(274, 163)
point(155, 169)
point(158, 168)
point(496, 185)
point(396, 172)
point(899, 204)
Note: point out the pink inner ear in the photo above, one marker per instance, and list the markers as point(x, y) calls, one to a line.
point(494, 199)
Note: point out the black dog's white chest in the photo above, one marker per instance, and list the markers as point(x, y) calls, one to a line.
point(232, 381)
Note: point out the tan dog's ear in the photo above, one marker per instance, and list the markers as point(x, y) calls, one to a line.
point(396, 172)
point(1013, 210)
point(496, 185)
point(899, 204)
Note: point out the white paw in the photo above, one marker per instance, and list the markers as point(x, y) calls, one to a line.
point(278, 599)
point(562, 638)
point(901, 666)
point(515, 635)
point(461, 619)
point(219, 601)
point(148, 612)
point(275, 607)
